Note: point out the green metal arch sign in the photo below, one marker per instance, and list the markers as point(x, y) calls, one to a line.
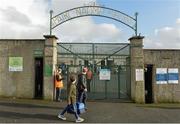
point(93, 11)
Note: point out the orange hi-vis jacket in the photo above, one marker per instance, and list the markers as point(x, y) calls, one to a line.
point(59, 84)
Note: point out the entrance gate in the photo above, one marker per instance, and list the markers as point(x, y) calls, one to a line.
point(72, 57)
point(114, 57)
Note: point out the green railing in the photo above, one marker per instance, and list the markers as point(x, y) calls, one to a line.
point(118, 87)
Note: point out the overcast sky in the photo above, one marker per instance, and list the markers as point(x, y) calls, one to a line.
point(158, 21)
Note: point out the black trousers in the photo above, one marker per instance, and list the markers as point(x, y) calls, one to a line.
point(82, 97)
point(89, 85)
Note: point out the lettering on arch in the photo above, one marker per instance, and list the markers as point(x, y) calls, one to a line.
point(93, 11)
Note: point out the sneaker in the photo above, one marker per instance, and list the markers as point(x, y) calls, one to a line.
point(79, 120)
point(61, 117)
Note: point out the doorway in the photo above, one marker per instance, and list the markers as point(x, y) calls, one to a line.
point(148, 84)
point(38, 78)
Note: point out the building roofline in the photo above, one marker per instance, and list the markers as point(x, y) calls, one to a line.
point(161, 49)
point(108, 43)
point(22, 39)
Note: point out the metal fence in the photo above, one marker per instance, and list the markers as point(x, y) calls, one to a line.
point(72, 57)
point(118, 87)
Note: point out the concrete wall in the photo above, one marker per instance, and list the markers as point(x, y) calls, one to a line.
point(21, 84)
point(137, 62)
point(50, 59)
point(18, 84)
point(164, 59)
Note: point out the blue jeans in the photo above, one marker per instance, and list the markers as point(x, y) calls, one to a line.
point(75, 110)
point(58, 94)
point(82, 97)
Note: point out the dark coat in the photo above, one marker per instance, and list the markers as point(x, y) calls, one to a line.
point(82, 82)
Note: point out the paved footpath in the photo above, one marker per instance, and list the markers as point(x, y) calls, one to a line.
point(40, 111)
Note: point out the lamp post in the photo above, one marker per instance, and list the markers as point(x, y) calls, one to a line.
point(51, 12)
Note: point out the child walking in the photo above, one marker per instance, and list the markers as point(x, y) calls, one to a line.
point(71, 99)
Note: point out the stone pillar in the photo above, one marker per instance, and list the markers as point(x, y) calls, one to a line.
point(137, 63)
point(50, 61)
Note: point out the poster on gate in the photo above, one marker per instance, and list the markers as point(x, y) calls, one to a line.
point(105, 74)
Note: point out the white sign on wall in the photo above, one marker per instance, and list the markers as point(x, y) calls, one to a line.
point(173, 75)
point(105, 74)
point(139, 75)
point(15, 63)
point(161, 75)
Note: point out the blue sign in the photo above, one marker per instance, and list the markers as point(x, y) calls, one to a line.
point(161, 77)
point(173, 76)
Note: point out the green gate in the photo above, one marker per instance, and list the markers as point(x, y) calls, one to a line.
point(73, 57)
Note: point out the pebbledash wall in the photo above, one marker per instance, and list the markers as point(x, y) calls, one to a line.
point(21, 84)
point(164, 90)
point(18, 83)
